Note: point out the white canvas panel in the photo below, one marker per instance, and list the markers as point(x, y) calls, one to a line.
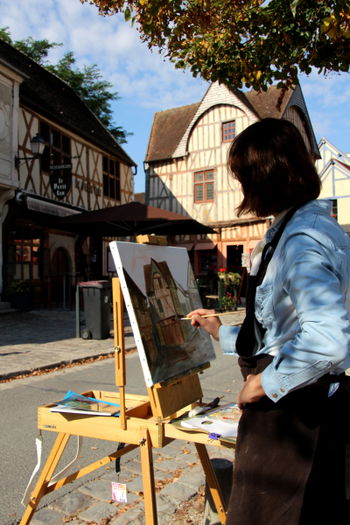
point(159, 289)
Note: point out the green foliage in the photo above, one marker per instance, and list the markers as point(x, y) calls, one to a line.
point(90, 86)
point(243, 42)
point(229, 302)
point(229, 278)
point(227, 289)
point(37, 50)
point(86, 82)
point(5, 35)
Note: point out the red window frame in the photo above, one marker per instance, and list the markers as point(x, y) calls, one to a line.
point(228, 130)
point(203, 186)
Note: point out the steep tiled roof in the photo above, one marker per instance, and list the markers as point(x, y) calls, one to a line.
point(265, 103)
point(169, 126)
point(53, 98)
point(167, 130)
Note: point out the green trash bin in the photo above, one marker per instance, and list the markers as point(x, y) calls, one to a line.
point(97, 309)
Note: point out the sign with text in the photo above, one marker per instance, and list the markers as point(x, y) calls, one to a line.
point(60, 179)
point(61, 167)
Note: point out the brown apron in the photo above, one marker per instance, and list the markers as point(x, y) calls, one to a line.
point(290, 455)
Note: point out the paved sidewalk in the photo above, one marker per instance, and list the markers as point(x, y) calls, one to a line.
point(43, 339)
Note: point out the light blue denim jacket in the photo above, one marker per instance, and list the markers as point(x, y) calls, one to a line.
point(303, 302)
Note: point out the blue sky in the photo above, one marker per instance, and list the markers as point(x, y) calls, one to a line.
point(146, 82)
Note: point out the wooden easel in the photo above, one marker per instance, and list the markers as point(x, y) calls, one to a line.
point(144, 423)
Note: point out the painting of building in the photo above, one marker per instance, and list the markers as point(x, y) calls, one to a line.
point(144, 320)
point(159, 290)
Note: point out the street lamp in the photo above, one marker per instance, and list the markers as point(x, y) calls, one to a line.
point(37, 145)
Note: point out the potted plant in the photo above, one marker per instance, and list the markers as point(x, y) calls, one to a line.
point(229, 302)
point(19, 294)
point(227, 289)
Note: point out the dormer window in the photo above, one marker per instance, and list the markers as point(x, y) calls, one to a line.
point(228, 131)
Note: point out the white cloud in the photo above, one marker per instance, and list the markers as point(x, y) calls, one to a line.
point(328, 102)
point(331, 90)
point(109, 42)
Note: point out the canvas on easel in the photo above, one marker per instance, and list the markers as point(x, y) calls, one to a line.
point(144, 422)
point(159, 289)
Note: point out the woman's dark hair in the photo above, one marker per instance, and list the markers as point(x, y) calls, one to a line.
point(274, 167)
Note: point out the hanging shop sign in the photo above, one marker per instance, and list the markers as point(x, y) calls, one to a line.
point(61, 179)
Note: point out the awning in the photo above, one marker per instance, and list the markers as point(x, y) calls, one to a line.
point(132, 218)
point(49, 208)
point(205, 246)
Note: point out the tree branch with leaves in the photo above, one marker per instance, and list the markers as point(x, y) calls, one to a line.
point(250, 43)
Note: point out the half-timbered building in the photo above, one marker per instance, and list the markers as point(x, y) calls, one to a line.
point(82, 168)
point(334, 170)
point(186, 168)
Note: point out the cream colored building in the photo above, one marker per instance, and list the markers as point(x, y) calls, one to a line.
point(186, 168)
point(82, 168)
point(334, 170)
point(10, 80)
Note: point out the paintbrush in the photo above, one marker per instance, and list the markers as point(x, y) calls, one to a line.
point(209, 315)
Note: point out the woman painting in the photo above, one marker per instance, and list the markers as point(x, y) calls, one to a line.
point(294, 344)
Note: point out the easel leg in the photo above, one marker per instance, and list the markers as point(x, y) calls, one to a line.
point(148, 478)
point(45, 476)
point(212, 482)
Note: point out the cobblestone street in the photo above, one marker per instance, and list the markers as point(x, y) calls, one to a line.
point(179, 483)
point(41, 340)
